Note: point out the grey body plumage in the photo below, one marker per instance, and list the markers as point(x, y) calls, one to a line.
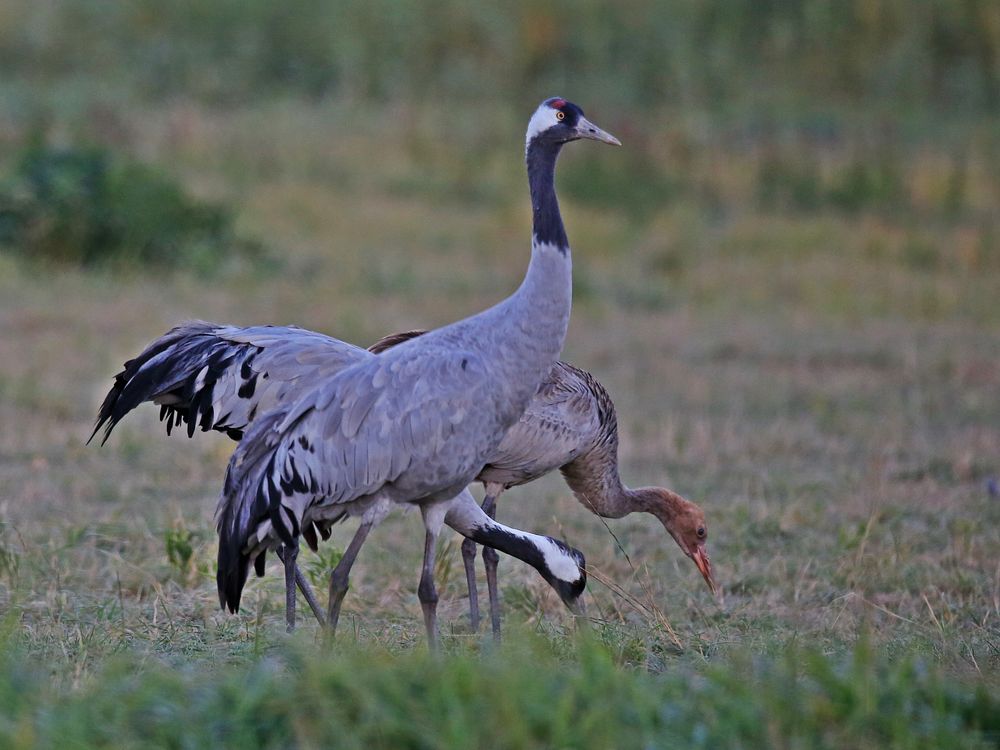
point(414, 425)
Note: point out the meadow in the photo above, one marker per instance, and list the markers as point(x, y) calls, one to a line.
point(793, 301)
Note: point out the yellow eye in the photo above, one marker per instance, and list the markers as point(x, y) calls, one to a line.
point(560, 115)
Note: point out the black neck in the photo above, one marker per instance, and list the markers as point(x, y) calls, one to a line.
point(547, 225)
point(513, 545)
point(524, 550)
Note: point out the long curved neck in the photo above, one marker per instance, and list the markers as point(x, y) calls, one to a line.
point(549, 557)
point(547, 224)
point(530, 325)
point(595, 482)
point(593, 476)
point(601, 490)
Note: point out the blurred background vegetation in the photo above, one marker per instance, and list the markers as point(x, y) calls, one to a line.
point(788, 279)
point(888, 56)
point(883, 108)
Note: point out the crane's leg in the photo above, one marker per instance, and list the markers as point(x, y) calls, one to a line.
point(339, 578)
point(288, 555)
point(426, 591)
point(469, 559)
point(310, 596)
point(307, 590)
point(492, 560)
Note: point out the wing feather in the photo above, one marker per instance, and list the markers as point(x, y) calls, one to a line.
point(561, 423)
point(213, 377)
point(348, 439)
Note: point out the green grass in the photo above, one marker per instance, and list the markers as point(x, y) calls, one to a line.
point(521, 696)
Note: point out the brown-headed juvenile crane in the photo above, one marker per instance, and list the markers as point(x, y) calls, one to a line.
point(571, 425)
point(415, 425)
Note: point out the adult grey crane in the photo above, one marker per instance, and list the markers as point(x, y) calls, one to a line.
point(415, 425)
point(208, 376)
point(571, 425)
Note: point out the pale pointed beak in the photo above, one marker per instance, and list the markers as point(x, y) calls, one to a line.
point(700, 557)
point(586, 129)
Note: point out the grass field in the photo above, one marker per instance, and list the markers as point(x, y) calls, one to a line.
point(801, 330)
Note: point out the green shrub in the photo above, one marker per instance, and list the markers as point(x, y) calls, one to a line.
point(10, 560)
point(789, 183)
point(318, 565)
point(179, 542)
point(88, 207)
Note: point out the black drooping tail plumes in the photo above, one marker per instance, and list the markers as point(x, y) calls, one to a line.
point(180, 370)
point(213, 377)
point(236, 521)
point(238, 517)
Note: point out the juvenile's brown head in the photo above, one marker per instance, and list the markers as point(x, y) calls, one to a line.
point(685, 522)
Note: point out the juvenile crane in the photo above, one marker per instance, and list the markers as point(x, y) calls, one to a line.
point(571, 425)
point(412, 426)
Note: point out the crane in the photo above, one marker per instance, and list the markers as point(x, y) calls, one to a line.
point(412, 426)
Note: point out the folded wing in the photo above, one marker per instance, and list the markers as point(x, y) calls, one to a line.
point(384, 424)
point(213, 377)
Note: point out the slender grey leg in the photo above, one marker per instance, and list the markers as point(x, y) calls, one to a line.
point(287, 555)
point(469, 559)
point(307, 591)
point(339, 578)
point(310, 596)
point(426, 591)
point(492, 560)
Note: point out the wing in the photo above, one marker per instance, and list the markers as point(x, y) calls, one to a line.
point(220, 377)
point(562, 422)
point(564, 419)
point(409, 422)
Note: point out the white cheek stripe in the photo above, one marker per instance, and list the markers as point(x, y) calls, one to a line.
point(561, 564)
point(543, 119)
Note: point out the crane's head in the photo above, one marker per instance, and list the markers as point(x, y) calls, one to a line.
point(565, 569)
point(559, 121)
point(685, 522)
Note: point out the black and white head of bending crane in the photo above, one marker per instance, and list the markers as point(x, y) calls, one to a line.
point(555, 123)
